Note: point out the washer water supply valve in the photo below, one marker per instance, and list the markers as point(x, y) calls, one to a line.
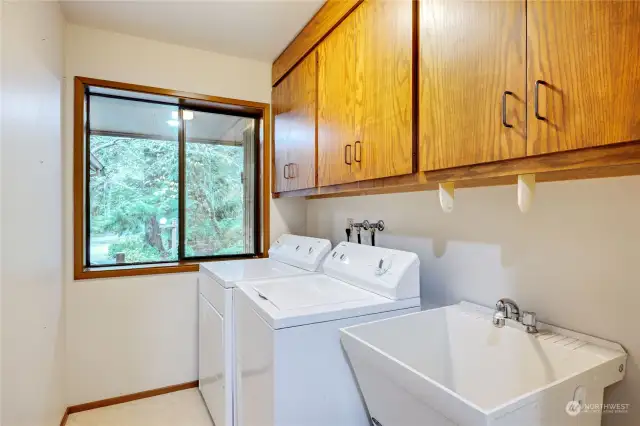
point(372, 227)
point(367, 226)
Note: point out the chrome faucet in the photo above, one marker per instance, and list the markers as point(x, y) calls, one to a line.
point(505, 309)
point(508, 309)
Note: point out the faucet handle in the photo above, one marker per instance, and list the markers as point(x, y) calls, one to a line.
point(529, 318)
point(498, 319)
point(530, 321)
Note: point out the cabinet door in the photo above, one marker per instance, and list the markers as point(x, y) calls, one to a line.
point(336, 105)
point(587, 55)
point(281, 136)
point(383, 125)
point(294, 105)
point(472, 59)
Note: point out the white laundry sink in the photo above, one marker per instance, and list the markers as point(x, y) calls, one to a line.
point(451, 366)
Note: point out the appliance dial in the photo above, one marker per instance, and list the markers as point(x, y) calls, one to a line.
point(384, 264)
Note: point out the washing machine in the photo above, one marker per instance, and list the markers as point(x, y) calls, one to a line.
point(289, 255)
point(292, 368)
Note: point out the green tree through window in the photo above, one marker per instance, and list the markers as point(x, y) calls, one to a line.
point(214, 208)
point(133, 193)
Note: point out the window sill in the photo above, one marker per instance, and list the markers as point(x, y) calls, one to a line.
point(136, 270)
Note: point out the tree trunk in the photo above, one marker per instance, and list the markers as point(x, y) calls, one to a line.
point(152, 234)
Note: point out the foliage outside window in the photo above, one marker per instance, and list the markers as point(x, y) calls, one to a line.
point(166, 183)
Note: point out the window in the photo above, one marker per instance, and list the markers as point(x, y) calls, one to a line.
point(166, 180)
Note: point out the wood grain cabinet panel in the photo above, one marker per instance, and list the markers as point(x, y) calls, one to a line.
point(471, 53)
point(325, 19)
point(587, 54)
point(280, 137)
point(294, 112)
point(384, 137)
point(336, 105)
point(364, 95)
point(499, 82)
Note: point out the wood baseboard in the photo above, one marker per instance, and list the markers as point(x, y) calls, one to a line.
point(65, 416)
point(126, 398)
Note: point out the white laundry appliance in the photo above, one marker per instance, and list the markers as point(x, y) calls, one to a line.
point(293, 371)
point(290, 255)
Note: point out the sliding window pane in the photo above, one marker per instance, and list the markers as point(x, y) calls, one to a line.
point(133, 181)
point(220, 184)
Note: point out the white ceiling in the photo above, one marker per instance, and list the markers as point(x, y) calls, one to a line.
point(255, 29)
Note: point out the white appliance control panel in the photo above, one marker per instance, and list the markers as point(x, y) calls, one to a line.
point(304, 252)
point(390, 273)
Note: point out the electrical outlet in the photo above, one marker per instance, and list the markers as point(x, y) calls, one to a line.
point(349, 222)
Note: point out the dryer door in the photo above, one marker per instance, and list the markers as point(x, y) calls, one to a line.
point(211, 360)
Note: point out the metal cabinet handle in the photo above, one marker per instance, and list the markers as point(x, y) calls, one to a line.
point(535, 99)
point(284, 171)
point(357, 158)
point(504, 108)
point(347, 148)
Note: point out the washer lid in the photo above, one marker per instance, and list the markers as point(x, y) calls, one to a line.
point(290, 295)
point(308, 299)
point(228, 272)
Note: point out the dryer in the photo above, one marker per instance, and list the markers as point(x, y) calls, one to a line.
point(289, 255)
point(292, 368)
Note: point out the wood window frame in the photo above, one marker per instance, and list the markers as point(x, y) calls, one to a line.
point(80, 270)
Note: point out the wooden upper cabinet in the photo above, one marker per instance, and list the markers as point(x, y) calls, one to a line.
point(294, 112)
point(586, 55)
point(364, 95)
point(472, 90)
point(336, 104)
point(383, 89)
point(280, 135)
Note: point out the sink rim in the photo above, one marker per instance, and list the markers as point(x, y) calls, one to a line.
point(615, 352)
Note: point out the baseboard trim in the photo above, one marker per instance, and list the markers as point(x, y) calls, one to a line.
point(126, 398)
point(65, 416)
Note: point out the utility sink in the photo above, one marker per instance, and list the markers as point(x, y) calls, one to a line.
point(451, 366)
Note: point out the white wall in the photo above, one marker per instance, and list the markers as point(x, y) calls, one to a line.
point(133, 334)
point(574, 259)
point(31, 215)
